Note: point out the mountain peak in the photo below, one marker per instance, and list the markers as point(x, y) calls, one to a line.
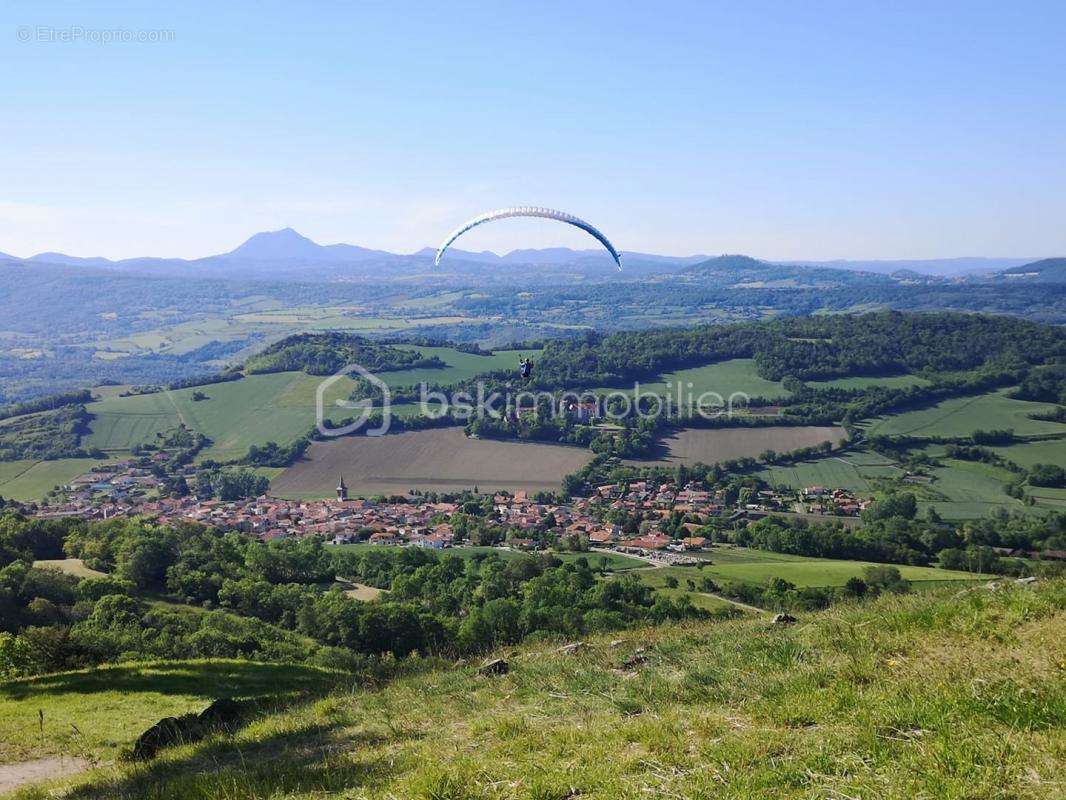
point(270, 245)
point(289, 244)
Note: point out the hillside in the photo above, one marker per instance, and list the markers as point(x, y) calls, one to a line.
point(947, 695)
point(1049, 270)
point(325, 353)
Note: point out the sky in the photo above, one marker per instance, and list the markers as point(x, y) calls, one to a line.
point(781, 130)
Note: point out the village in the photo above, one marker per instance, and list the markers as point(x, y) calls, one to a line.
point(625, 517)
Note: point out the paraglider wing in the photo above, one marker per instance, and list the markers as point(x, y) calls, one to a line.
point(528, 211)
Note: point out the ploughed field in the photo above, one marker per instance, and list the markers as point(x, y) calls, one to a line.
point(708, 445)
point(447, 460)
point(444, 459)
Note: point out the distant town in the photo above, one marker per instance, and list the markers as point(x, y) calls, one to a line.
point(142, 485)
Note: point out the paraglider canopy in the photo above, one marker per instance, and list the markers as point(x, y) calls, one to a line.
point(530, 211)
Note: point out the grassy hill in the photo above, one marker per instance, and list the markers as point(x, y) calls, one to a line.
point(726, 563)
point(856, 471)
point(98, 712)
point(31, 480)
point(1049, 270)
point(278, 406)
point(723, 377)
point(961, 416)
point(945, 694)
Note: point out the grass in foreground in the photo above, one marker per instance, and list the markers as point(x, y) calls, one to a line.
point(99, 712)
point(948, 695)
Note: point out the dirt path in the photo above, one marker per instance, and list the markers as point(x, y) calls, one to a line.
point(736, 603)
point(651, 561)
point(12, 776)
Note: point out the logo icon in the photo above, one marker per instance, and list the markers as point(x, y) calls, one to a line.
point(365, 407)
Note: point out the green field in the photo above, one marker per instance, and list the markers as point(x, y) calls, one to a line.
point(963, 490)
point(111, 705)
point(744, 565)
point(1027, 454)
point(259, 408)
point(971, 489)
point(725, 378)
point(972, 481)
point(866, 381)
point(739, 375)
point(961, 416)
point(852, 471)
point(461, 366)
point(276, 407)
point(1049, 498)
point(967, 489)
point(32, 480)
point(612, 561)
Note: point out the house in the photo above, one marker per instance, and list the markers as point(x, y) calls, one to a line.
point(582, 412)
point(653, 541)
point(434, 541)
point(386, 537)
point(694, 542)
point(343, 538)
point(1050, 555)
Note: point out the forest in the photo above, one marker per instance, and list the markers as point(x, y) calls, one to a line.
point(229, 596)
point(807, 348)
point(326, 353)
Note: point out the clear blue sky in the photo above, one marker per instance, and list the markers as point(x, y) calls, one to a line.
point(781, 130)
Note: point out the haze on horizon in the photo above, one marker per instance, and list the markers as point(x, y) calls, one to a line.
point(835, 130)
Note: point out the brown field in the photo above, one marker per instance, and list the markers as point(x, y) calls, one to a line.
point(442, 460)
point(708, 445)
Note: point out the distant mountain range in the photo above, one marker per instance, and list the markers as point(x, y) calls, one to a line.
point(287, 250)
point(940, 267)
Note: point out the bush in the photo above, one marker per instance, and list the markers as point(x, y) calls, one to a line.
point(1048, 475)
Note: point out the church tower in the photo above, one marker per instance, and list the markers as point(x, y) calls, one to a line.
point(342, 490)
